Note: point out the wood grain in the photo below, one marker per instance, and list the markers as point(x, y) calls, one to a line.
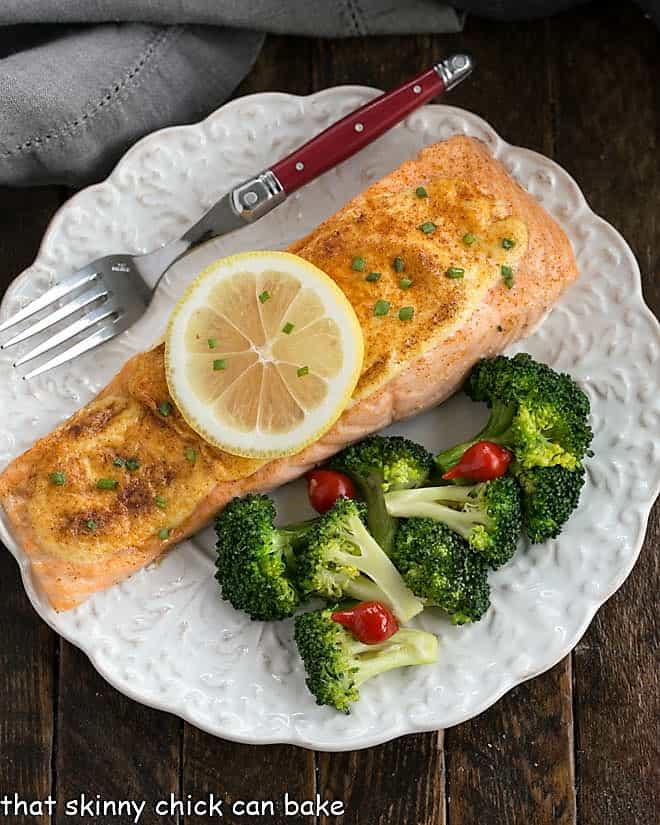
point(608, 132)
point(245, 772)
point(111, 746)
point(28, 646)
point(399, 782)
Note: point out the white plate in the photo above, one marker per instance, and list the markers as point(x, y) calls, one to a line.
point(164, 637)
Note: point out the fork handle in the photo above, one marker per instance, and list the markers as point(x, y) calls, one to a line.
point(356, 130)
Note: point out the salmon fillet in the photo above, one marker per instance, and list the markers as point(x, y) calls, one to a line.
point(80, 539)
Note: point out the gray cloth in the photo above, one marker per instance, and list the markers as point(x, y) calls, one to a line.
point(77, 96)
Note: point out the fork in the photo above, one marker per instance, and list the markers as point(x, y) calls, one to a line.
point(106, 297)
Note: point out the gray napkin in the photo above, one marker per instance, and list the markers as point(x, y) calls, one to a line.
point(77, 96)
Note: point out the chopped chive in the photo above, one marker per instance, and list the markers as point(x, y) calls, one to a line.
point(359, 263)
point(381, 307)
point(507, 276)
point(164, 533)
point(106, 484)
point(264, 296)
point(302, 371)
point(118, 461)
point(373, 276)
point(219, 364)
point(212, 342)
point(91, 525)
point(132, 464)
point(406, 313)
point(590, 453)
point(191, 454)
point(405, 283)
point(57, 478)
point(287, 329)
point(508, 243)
point(428, 227)
point(165, 408)
point(399, 264)
point(469, 238)
point(159, 501)
point(455, 272)
point(421, 192)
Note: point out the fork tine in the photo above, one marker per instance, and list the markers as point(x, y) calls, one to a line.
point(60, 290)
point(69, 308)
point(64, 335)
point(104, 334)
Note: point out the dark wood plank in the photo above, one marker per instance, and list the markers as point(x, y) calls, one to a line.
point(111, 746)
point(609, 122)
point(244, 773)
point(28, 649)
point(400, 782)
point(514, 763)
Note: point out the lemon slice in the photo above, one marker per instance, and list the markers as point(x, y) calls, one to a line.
point(262, 354)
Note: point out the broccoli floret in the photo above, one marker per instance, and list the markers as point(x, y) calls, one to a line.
point(255, 557)
point(441, 568)
point(339, 558)
point(380, 464)
point(549, 496)
point(540, 415)
point(486, 515)
point(337, 664)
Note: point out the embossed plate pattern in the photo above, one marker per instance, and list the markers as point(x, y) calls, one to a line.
point(164, 637)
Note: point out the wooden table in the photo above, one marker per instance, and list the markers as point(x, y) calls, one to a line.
point(577, 744)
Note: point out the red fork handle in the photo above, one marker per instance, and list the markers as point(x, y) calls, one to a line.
point(359, 128)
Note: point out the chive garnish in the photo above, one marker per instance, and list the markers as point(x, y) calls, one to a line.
point(507, 276)
point(359, 263)
point(398, 264)
point(421, 192)
point(264, 296)
point(164, 533)
point(373, 276)
point(302, 371)
point(287, 329)
point(132, 464)
point(508, 243)
point(165, 408)
point(106, 484)
point(212, 342)
point(58, 478)
point(405, 283)
point(191, 454)
point(455, 272)
point(469, 238)
point(118, 461)
point(406, 313)
point(159, 501)
point(428, 227)
point(381, 307)
point(91, 525)
point(219, 364)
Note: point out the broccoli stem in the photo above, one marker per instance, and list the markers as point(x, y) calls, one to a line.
point(382, 527)
point(407, 647)
point(425, 503)
point(496, 430)
point(375, 564)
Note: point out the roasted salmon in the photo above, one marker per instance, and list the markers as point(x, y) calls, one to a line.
point(445, 213)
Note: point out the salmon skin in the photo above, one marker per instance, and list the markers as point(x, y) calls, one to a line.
point(452, 208)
